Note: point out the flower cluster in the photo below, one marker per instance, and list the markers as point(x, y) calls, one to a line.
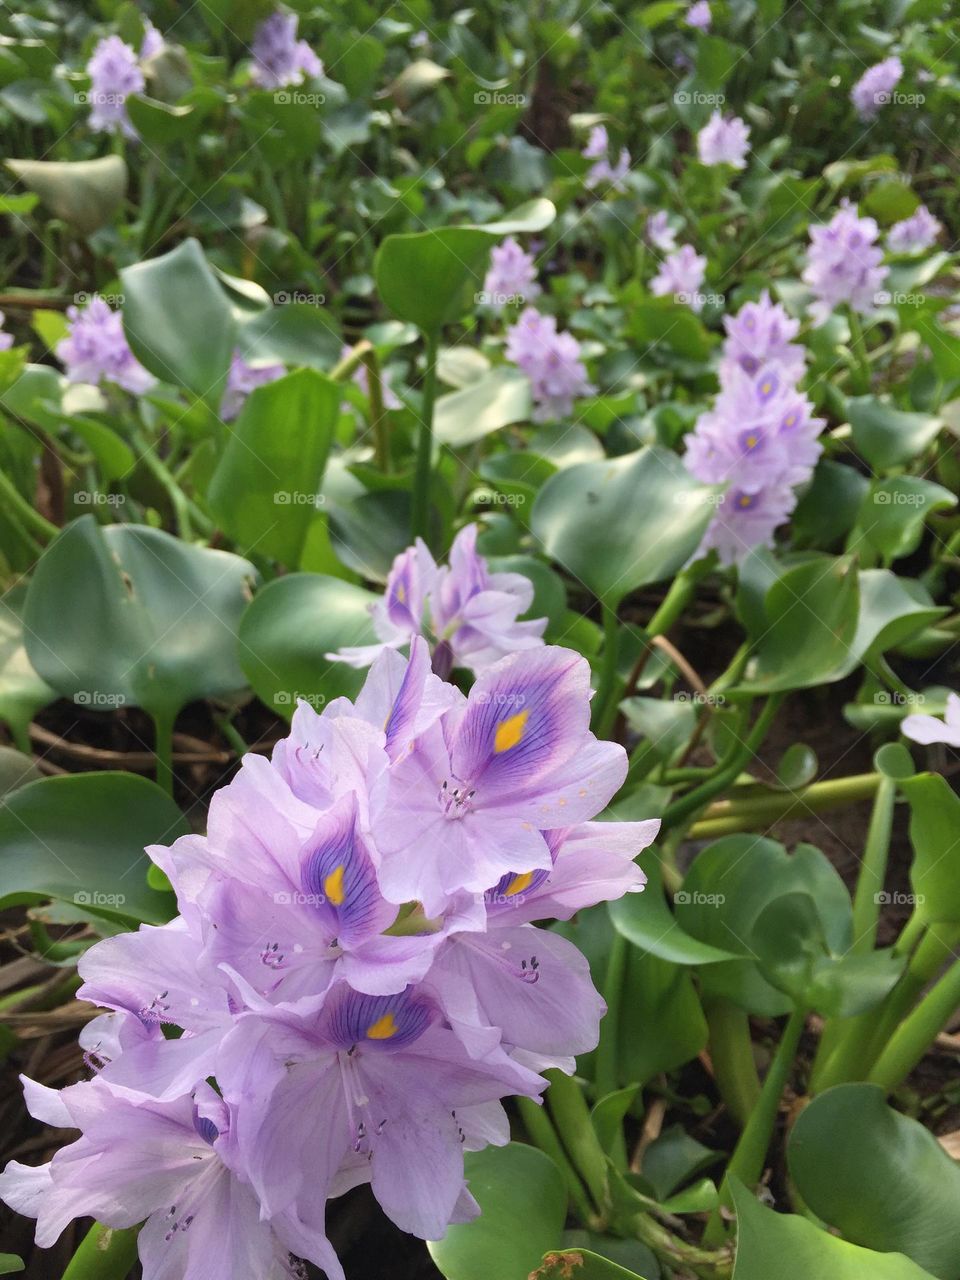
point(844, 264)
point(724, 140)
point(760, 437)
point(243, 378)
point(95, 349)
point(468, 614)
point(660, 233)
point(354, 980)
point(602, 171)
point(511, 277)
point(681, 277)
point(279, 58)
point(115, 72)
point(698, 16)
point(875, 87)
point(914, 234)
point(551, 361)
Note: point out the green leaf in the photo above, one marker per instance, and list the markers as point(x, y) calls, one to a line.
point(523, 1204)
point(264, 491)
point(934, 827)
point(661, 322)
point(828, 509)
point(673, 1158)
point(878, 1176)
point(647, 922)
point(84, 193)
point(9, 1263)
point(791, 1248)
point(492, 401)
point(16, 770)
point(81, 839)
point(125, 614)
point(289, 627)
point(292, 333)
point(889, 437)
point(580, 1263)
point(624, 523)
point(179, 321)
point(428, 277)
point(22, 691)
point(894, 512)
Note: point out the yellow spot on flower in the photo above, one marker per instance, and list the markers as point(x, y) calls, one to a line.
point(745, 500)
point(401, 593)
point(333, 886)
point(518, 884)
point(751, 442)
point(383, 1028)
point(766, 388)
point(510, 732)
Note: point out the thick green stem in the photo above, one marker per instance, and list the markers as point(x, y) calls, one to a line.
point(186, 513)
point(543, 1135)
point(30, 519)
point(378, 421)
point(756, 811)
point(731, 1052)
point(104, 1254)
point(606, 699)
point(914, 1036)
point(746, 1163)
point(860, 379)
point(575, 1126)
point(607, 1079)
point(710, 1264)
point(420, 517)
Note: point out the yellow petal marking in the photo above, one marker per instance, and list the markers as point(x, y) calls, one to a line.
point(518, 884)
point(510, 732)
point(383, 1028)
point(333, 886)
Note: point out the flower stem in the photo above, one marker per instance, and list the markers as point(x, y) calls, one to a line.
point(163, 748)
point(914, 1036)
point(421, 482)
point(606, 700)
point(104, 1254)
point(543, 1135)
point(731, 1052)
point(606, 1079)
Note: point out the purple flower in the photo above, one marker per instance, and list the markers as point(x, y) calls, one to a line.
point(114, 73)
point(875, 87)
point(747, 520)
point(914, 234)
point(469, 613)
point(601, 171)
point(152, 43)
point(95, 349)
point(698, 16)
point(360, 379)
point(241, 380)
point(551, 361)
point(724, 140)
point(279, 58)
point(844, 264)
point(761, 334)
point(6, 339)
point(511, 278)
point(659, 232)
point(681, 275)
point(929, 729)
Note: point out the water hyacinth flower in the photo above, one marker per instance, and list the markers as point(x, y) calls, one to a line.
point(551, 361)
point(115, 72)
point(659, 232)
point(844, 264)
point(601, 171)
point(279, 58)
point(698, 16)
point(875, 87)
point(930, 729)
point(761, 334)
point(282, 1040)
point(511, 277)
point(95, 349)
point(681, 276)
point(914, 234)
point(747, 520)
point(243, 378)
point(724, 140)
point(468, 613)
point(6, 339)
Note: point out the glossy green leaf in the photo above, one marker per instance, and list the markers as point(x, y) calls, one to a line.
point(523, 1204)
point(673, 1158)
point(621, 524)
point(494, 400)
point(647, 922)
point(84, 193)
point(878, 1176)
point(934, 830)
point(666, 325)
point(566, 1264)
point(179, 321)
point(81, 839)
point(16, 770)
point(264, 491)
point(828, 508)
point(9, 1263)
point(22, 691)
point(125, 614)
point(889, 437)
point(894, 512)
point(291, 333)
point(289, 627)
point(791, 1248)
point(633, 1255)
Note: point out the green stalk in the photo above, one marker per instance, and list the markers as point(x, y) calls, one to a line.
point(186, 512)
point(163, 748)
point(680, 1257)
point(914, 1036)
point(420, 515)
point(104, 1254)
point(33, 521)
point(746, 1163)
point(606, 1078)
point(543, 1135)
point(606, 699)
point(755, 811)
point(378, 421)
point(575, 1126)
point(860, 379)
point(696, 799)
point(731, 1052)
